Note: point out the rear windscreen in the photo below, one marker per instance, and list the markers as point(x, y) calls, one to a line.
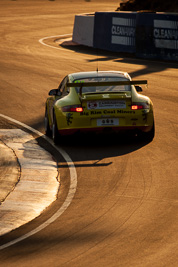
point(108, 88)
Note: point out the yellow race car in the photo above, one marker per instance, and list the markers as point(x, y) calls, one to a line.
point(98, 101)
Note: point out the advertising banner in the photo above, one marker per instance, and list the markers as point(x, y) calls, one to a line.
point(146, 34)
point(115, 31)
point(157, 36)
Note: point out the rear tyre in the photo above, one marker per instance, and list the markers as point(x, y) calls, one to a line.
point(47, 127)
point(55, 132)
point(149, 135)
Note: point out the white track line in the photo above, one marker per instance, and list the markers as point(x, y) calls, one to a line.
point(71, 193)
point(55, 47)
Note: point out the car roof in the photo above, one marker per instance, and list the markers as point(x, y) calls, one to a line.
point(95, 74)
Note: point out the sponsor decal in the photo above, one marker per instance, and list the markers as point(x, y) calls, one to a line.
point(123, 31)
point(84, 113)
point(165, 34)
point(79, 81)
point(109, 104)
point(92, 105)
point(95, 112)
point(107, 112)
point(126, 111)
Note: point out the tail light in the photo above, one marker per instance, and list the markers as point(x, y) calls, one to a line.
point(136, 106)
point(73, 108)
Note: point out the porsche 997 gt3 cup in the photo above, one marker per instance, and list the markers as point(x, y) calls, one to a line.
point(96, 102)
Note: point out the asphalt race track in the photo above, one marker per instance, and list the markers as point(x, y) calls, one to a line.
point(124, 211)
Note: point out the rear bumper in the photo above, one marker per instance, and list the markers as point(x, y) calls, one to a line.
point(106, 130)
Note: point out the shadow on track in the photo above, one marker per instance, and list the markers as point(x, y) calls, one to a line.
point(149, 65)
point(86, 147)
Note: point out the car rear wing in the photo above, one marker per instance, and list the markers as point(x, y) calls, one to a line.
point(114, 83)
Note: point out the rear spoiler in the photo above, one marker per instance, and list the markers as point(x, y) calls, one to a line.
point(89, 84)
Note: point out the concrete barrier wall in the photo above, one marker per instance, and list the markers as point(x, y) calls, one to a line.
point(148, 35)
point(115, 31)
point(83, 30)
point(157, 36)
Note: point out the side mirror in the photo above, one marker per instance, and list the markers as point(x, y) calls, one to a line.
point(138, 88)
point(55, 92)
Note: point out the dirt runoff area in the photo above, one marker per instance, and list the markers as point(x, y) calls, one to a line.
point(151, 6)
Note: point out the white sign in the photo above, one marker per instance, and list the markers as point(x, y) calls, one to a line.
point(106, 104)
point(108, 122)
